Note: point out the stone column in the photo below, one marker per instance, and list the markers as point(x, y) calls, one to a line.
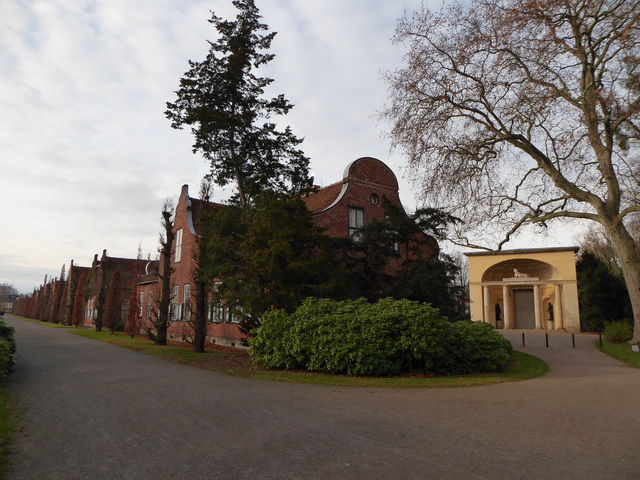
point(486, 304)
point(536, 306)
point(506, 301)
point(558, 319)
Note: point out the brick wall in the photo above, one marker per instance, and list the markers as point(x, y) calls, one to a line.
point(366, 183)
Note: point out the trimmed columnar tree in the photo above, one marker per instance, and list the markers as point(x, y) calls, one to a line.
point(523, 112)
point(160, 319)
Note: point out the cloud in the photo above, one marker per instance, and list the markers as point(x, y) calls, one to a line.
point(86, 154)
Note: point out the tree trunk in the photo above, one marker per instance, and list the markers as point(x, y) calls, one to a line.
point(164, 306)
point(200, 321)
point(161, 334)
point(625, 248)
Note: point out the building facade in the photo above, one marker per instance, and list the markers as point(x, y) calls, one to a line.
point(109, 287)
point(340, 208)
point(361, 196)
point(525, 288)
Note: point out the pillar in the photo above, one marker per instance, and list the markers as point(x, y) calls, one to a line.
point(506, 300)
point(536, 307)
point(486, 303)
point(558, 319)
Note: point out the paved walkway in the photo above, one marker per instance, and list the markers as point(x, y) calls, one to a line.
point(94, 411)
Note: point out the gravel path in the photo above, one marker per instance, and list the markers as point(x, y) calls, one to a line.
point(95, 411)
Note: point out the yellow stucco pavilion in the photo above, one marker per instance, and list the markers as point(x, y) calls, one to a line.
point(525, 289)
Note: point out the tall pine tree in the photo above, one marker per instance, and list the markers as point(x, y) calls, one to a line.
point(221, 99)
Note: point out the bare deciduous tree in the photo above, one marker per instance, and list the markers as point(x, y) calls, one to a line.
point(521, 112)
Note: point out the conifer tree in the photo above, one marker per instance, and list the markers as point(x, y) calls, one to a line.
point(221, 99)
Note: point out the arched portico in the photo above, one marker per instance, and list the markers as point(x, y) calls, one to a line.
point(525, 289)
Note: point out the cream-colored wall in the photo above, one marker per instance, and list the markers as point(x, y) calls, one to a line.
point(562, 260)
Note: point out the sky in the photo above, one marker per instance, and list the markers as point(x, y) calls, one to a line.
point(87, 157)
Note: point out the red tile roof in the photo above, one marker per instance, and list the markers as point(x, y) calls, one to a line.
point(323, 197)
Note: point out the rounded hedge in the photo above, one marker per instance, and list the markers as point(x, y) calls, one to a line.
point(618, 332)
point(385, 338)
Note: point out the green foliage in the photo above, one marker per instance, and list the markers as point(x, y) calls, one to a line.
point(394, 258)
point(621, 352)
point(384, 338)
point(520, 367)
point(269, 256)
point(479, 348)
point(618, 332)
point(221, 99)
point(7, 347)
point(603, 296)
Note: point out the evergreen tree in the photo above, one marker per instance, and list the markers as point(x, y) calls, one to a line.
point(394, 258)
point(603, 296)
point(270, 256)
point(221, 99)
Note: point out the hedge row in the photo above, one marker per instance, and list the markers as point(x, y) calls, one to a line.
point(384, 338)
point(7, 347)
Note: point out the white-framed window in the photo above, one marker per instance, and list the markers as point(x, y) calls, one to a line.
point(215, 313)
point(149, 304)
point(215, 309)
point(186, 303)
point(231, 318)
point(91, 311)
point(210, 311)
point(396, 245)
point(174, 313)
point(178, 255)
point(356, 221)
point(141, 304)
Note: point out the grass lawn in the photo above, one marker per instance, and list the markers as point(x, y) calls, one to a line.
point(621, 352)
point(238, 363)
point(7, 427)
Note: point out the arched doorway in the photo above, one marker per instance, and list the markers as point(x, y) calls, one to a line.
point(524, 277)
point(525, 289)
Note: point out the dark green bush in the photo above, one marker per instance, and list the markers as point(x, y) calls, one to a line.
point(479, 348)
point(384, 338)
point(618, 332)
point(7, 347)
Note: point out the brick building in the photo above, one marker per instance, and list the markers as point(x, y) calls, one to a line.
point(74, 294)
point(340, 208)
point(103, 279)
point(222, 326)
point(148, 291)
point(343, 207)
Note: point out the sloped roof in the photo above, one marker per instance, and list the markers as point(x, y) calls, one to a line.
point(198, 208)
point(323, 197)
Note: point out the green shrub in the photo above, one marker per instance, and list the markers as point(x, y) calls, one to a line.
point(384, 338)
point(7, 348)
point(273, 347)
point(479, 348)
point(618, 332)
